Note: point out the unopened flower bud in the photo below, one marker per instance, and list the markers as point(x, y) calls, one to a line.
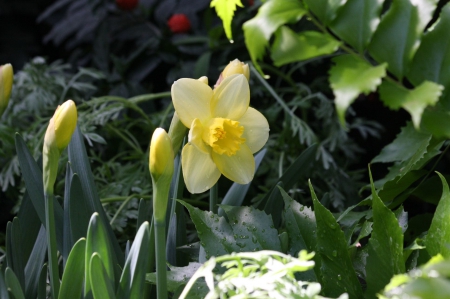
point(6, 82)
point(233, 68)
point(161, 169)
point(57, 137)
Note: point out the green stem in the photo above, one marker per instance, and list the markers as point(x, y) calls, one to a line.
point(51, 243)
point(161, 268)
point(213, 199)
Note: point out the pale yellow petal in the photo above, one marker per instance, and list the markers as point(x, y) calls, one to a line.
point(231, 98)
point(199, 171)
point(195, 136)
point(256, 129)
point(191, 99)
point(239, 168)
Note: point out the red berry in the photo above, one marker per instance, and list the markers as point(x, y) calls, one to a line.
point(179, 23)
point(127, 4)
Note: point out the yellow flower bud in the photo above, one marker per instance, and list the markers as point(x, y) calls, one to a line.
point(65, 119)
point(161, 169)
point(161, 155)
point(57, 137)
point(6, 82)
point(235, 67)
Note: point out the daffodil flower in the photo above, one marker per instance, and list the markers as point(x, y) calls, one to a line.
point(224, 131)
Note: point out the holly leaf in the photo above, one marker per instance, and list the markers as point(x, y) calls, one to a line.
point(385, 246)
point(432, 60)
point(271, 15)
point(225, 10)
point(407, 142)
point(356, 22)
point(397, 37)
point(412, 100)
point(290, 46)
point(351, 76)
point(438, 237)
point(325, 10)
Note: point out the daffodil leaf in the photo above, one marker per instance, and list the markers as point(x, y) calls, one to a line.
point(35, 262)
point(356, 22)
point(3, 289)
point(32, 175)
point(13, 284)
point(432, 59)
point(177, 276)
point(351, 76)
point(396, 38)
point(325, 10)
point(290, 46)
point(301, 228)
point(271, 15)
point(414, 101)
point(337, 273)
point(385, 257)
point(80, 164)
point(16, 261)
point(132, 281)
point(73, 276)
point(438, 236)
point(225, 10)
point(100, 282)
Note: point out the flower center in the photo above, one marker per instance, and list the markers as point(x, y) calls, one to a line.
point(224, 136)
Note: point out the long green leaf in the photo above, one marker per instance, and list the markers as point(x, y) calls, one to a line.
point(98, 242)
point(32, 175)
point(80, 164)
point(3, 289)
point(34, 265)
point(42, 285)
point(300, 167)
point(29, 219)
point(14, 250)
point(357, 21)
point(438, 236)
point(73, 276)
point(132, 282)
point(385, 247)
point(13, 284)
point(79, 212)
point(100, 281)
point(337, 273)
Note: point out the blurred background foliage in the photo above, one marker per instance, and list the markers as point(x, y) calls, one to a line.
point(117, 61)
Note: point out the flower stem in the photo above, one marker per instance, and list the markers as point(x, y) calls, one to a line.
point(161, 268)
point(51, 244)
point(213, 200)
